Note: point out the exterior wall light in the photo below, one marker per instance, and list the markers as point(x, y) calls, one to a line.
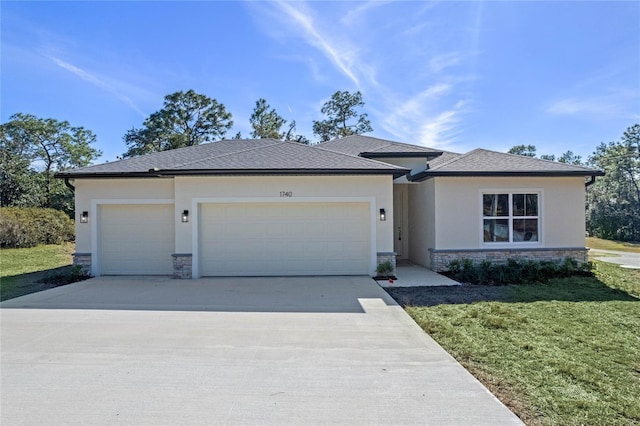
point(185, 216)
point(84, 217)
point(383, 215)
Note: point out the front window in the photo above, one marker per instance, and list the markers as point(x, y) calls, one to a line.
point(510, 217)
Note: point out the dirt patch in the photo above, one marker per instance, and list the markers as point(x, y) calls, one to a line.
point(462, 294)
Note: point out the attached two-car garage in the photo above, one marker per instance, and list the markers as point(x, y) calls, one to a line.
point(262, 239)
point(240, 239)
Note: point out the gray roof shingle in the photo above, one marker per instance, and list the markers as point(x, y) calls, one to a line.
point(485, 161)
point(339, 156)
point(246, 155)
point(358, 144)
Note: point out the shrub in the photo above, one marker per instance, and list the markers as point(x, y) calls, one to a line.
point(515, 271)
point(28, 227)
point(68, 275)
point(384, 269)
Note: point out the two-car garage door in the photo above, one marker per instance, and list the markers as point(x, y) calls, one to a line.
point(262, 239)
point(240, 239)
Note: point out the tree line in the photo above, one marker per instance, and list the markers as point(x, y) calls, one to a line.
point(613, 201)
point(33, 149)
point(190, 118)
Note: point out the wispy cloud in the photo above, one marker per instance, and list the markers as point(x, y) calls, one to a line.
point(440, 62)
point(98, 82)
point(340, 56)
point(355, 14)
point(428, 116)
point(422, 120)
point(440, 130)
point(612, 105)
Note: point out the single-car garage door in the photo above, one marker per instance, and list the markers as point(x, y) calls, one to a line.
point(262, 239)
point(136, 239)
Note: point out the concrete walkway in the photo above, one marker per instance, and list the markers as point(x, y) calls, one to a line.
point(410, 275)
point(624, 259)
point(318, 350)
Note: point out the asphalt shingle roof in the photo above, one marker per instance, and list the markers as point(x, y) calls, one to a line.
point(485, 161)
point(339, 156)
point(239, 155)
point(358, 144)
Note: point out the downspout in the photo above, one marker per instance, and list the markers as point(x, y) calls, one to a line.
point(590, 182)
point(68, 184)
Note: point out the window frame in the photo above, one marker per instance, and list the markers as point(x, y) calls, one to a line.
point(510, 217)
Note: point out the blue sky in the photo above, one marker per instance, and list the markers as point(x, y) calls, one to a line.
point(450, 75)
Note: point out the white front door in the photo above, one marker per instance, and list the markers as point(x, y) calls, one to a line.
point(400, 220)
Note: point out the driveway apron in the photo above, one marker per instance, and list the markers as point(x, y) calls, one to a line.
point(295, 350)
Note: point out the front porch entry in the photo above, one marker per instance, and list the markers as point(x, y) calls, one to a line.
point(401, 222)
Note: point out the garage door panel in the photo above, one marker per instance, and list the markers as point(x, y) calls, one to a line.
point(284, 239)
point(136, 239)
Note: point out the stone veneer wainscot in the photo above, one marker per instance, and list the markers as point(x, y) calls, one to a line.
point(440, 258)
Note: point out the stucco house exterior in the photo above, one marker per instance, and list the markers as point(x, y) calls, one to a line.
point(267, 207)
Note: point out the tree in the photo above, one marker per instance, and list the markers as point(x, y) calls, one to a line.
point(186, 119)
point(46, 145)
point(526, 150)
point(548, 157)
point(530, 151)
point(570, 158)
point(291, 136)
point(266, 122)
point(340, 110)
point(613, 202)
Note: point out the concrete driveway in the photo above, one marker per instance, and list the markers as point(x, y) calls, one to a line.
point(319, 350)
point(624, 259)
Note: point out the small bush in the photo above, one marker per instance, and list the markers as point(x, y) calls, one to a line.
point(384, 269)
point(515, 271)
point(68, 275)
point(28, 227)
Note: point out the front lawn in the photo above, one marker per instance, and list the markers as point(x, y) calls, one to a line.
point(22, 269)
point(562, 353)
point(597, 243)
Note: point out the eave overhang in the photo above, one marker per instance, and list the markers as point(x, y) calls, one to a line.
point(153, 173)
point(372, 155)
point(428, 174)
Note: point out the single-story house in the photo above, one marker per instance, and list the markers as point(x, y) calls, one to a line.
point(268, 207)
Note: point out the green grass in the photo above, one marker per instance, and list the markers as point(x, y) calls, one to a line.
point(21, 269)
point(597, 243)
point(563, 353)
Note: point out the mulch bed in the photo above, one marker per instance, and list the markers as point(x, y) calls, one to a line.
point(432, 296)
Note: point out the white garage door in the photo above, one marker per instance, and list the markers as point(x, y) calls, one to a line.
point(284, 239)
point(136, 239)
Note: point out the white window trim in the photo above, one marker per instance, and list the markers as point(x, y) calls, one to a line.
point(513, 244)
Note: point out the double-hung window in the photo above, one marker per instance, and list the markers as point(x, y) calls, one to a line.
point(511, 217)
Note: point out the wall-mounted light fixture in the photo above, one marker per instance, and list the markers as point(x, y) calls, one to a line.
point(84, 217)
point(383, 215)
point(185, 215)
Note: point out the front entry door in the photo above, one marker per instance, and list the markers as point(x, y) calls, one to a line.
point(400, 219)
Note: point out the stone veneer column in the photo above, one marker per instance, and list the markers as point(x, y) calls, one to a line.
point(387, 257)
point(84, 261)
point(182, 266)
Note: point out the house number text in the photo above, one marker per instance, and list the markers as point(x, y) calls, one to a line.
point(286, 194)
